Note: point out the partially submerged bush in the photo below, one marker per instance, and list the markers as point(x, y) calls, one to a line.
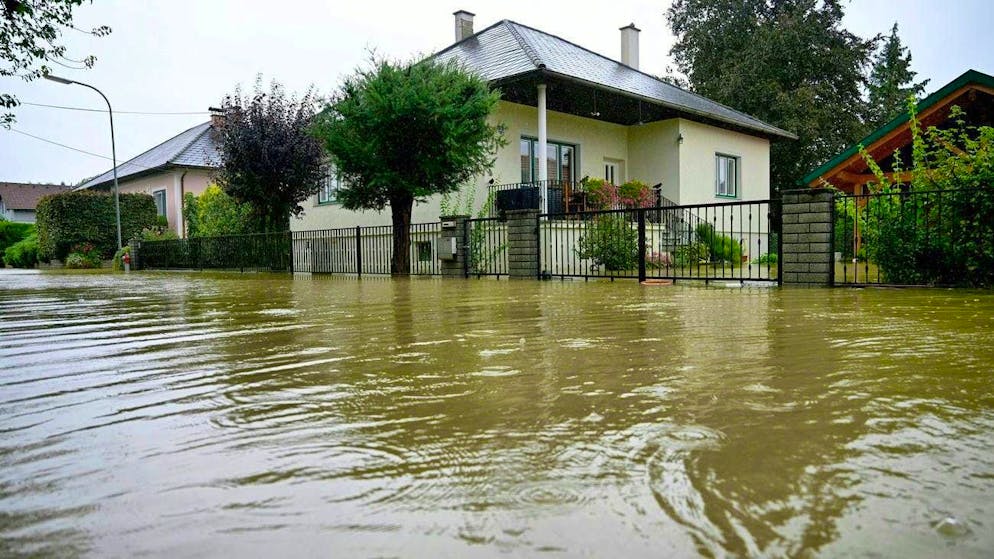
point(722, 248)
point(83, 256)
point(22, 254)
point(71, 218)
point(12, 233)
point(610, 241)
point(119, 257)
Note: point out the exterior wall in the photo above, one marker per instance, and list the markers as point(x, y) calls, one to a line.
point(655, 155)
point(697, 163)
point(19, 216)
point(650, 153)
point(195, 181)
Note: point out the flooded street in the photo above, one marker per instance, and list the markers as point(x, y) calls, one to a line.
point(170, 414)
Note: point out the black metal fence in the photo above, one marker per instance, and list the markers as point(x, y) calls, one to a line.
point(908, 237)
point(365, 250)
point(729, 241)
point(564, 197)
point(259, 252)
point(486, 241)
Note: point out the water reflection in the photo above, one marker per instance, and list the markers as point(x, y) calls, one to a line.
point(262, 414)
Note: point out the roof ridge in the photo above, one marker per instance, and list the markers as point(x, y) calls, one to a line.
point(182, 150)
point(648, 75)
point(527, 48)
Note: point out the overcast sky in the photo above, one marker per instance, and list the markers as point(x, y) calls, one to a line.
point(184, 55)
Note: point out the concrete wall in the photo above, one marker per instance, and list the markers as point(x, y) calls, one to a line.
point(808, 216)
point(19, 216)
point(173, 181)
point(697, 163)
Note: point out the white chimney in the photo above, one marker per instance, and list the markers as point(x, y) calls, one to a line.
point(630, 46)
point(464, 24)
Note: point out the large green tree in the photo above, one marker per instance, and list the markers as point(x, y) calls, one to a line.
point(787, 62)
point(30, 40)
point(398, 133)
point(892, 81)
point(269, 158)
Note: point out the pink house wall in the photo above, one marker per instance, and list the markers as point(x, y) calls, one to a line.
point(175, 182)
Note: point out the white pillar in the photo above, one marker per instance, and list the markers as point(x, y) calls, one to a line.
point(542, 149)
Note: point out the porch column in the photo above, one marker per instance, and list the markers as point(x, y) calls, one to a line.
point(542, 149)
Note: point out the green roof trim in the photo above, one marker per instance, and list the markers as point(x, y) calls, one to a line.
point(968, 77)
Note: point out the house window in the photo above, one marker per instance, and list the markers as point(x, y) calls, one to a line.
point(726, 176)
point(560, 160)
point(610, 173)
point(328, 193)
point(160, 202)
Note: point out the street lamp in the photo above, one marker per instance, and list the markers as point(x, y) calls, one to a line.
point(113, 149)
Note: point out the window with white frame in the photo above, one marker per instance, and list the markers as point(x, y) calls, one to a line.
point(726, 175)
point(160, 202)
point(560, 160)
point(328, 194)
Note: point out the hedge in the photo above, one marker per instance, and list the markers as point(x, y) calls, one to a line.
point(11, 233)
point(70, 218)
point(22, 254)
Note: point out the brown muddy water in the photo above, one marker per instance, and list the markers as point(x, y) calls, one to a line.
point(169, 414)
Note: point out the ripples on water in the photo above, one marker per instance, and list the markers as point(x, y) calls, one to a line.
point(198, 415)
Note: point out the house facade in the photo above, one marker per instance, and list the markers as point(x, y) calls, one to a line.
point(184, 163)
point(591, 116)
point(19, 200)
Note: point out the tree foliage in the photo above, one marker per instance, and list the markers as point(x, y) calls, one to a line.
point(398, 133)
point(30, 40)
point(787, 62)
point(891, 81)
point(215, 214)
point(268, 157)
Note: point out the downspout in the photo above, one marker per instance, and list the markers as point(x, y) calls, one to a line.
point(182, 205)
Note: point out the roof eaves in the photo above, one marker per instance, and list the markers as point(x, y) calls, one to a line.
point(967, 78)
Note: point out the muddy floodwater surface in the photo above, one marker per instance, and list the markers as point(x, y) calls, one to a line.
point(170, 414)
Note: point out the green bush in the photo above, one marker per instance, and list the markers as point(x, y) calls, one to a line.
point(83, 256)
point(214, 214)
point(71, 218)
point(610, 241)
point(722, 248)
point(22, 254)
point(11, 233)
point(158, 234)
point(691, 254)
point(768, 258)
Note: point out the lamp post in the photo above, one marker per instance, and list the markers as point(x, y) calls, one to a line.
point(113, 149)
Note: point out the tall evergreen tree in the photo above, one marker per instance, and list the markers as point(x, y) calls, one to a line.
point(787, 62)
point(891, 82)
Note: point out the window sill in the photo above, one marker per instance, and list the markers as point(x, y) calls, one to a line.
point(726, 197)
point(328, 204)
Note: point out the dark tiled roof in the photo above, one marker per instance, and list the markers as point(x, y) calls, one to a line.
point(508, 49)
point(20, 196)
point(192, 148)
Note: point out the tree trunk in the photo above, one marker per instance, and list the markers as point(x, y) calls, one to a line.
point(400, 208)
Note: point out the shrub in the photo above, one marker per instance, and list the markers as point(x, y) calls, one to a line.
point(768, 258)
point(636, 194)
point(601, 195)
point(157, 234)
point(22, 254)
point(84, 256)
point(722, 248)
point(11, 233)
point(691, 254)
point(214, 214)
point(610, 241)
point(75, 217)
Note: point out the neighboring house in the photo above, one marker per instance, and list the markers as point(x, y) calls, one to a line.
point(181, 164)
point(19, 200)
point(596, 117)
point(973, 92)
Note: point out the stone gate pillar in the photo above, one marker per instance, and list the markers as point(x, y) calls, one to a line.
point(522, 244)
point(806, 237)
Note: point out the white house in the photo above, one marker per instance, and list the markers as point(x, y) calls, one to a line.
point(592, 116)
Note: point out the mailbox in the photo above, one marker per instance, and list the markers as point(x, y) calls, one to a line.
point(448, 225)
point(447, 249)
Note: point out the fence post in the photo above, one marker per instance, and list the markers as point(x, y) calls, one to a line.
point(358, 251)
point(522, 244)
point(135, 245)
point(455, 227)
point(806, 237)
point(641, 229)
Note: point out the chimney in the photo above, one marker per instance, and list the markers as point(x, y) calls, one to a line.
point(464, 24)
point(630, 46)
point(217, 116)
